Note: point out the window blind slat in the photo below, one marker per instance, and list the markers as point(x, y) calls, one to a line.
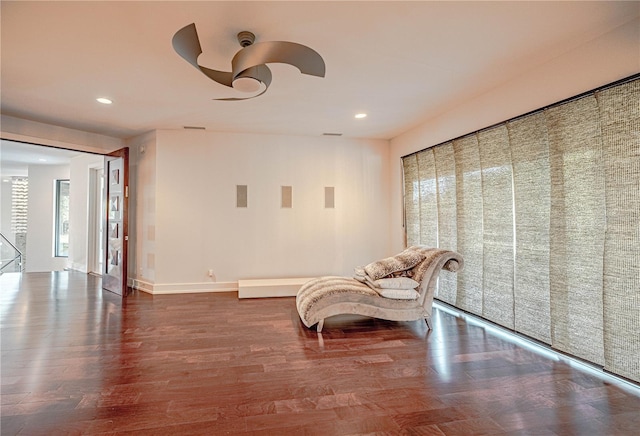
point(577, 228)
point(428, 199)
point(497, 217)
point(411, 199)
point(532, 204)
point(469, 220)
point(620, 118)
point(447, 216)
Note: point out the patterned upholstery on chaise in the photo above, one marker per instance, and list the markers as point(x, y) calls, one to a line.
point(323, 297)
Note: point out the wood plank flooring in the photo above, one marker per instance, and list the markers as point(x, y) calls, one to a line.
point(79, 360)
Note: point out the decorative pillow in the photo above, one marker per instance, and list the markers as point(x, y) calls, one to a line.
point(400, 262)
point(359, 271)
point(397, 283)
point(366, 280)
point(405, 273)
point(399, 294)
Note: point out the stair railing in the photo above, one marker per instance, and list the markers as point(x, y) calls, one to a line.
point(13, 258)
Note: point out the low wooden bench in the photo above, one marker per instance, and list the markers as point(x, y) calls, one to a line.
point(264, 288)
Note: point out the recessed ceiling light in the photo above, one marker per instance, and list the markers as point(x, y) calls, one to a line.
point(42, 160)
point(361, 115)
point(103, 100)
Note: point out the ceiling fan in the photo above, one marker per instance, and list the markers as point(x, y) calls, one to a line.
point(248, 70)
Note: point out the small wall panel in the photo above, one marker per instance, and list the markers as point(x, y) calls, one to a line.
point(242, 198)
point(286, 197)
point(329, 197)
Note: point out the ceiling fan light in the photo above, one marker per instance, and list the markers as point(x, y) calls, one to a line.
point(246, 84)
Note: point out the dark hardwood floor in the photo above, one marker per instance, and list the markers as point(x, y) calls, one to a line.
point(78, 360)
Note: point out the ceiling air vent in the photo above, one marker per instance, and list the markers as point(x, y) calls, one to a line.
point(194, 128)
point(332, 134)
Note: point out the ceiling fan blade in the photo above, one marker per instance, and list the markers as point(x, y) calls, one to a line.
point(238, 99)
point(187, 45)
point(222, 77)
point(307, 60)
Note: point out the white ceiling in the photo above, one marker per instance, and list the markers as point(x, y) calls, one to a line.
point(16, 157)
point(401, 62)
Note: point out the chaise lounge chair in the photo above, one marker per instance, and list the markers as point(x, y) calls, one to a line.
point(373, 291)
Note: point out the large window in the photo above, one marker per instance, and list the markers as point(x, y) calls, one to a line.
point(545, 210)
point(62, 219)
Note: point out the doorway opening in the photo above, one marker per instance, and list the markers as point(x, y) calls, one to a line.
point(30, 220)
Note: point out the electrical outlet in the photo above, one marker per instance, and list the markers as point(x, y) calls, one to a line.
point(210, 273)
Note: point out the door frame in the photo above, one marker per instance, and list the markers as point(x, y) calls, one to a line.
point(96, 197)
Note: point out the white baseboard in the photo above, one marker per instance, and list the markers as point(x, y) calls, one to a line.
point(182, 288)
point(77, 267)
point(265, 288)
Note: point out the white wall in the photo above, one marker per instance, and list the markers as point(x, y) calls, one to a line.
point(79, 192)
point(198, 227)
point(142, 207)
point(40, 218)
point(610, 57)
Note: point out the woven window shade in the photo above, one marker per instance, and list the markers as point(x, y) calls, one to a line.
point(447, 216)
point(469, 208)
point(531, 181)
point(575, 207)
point(411, 199)
point(620, 119)
point(577, 228)
point(428, 198)
point(497, 217)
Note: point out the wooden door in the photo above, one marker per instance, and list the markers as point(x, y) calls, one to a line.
point(116, 221)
